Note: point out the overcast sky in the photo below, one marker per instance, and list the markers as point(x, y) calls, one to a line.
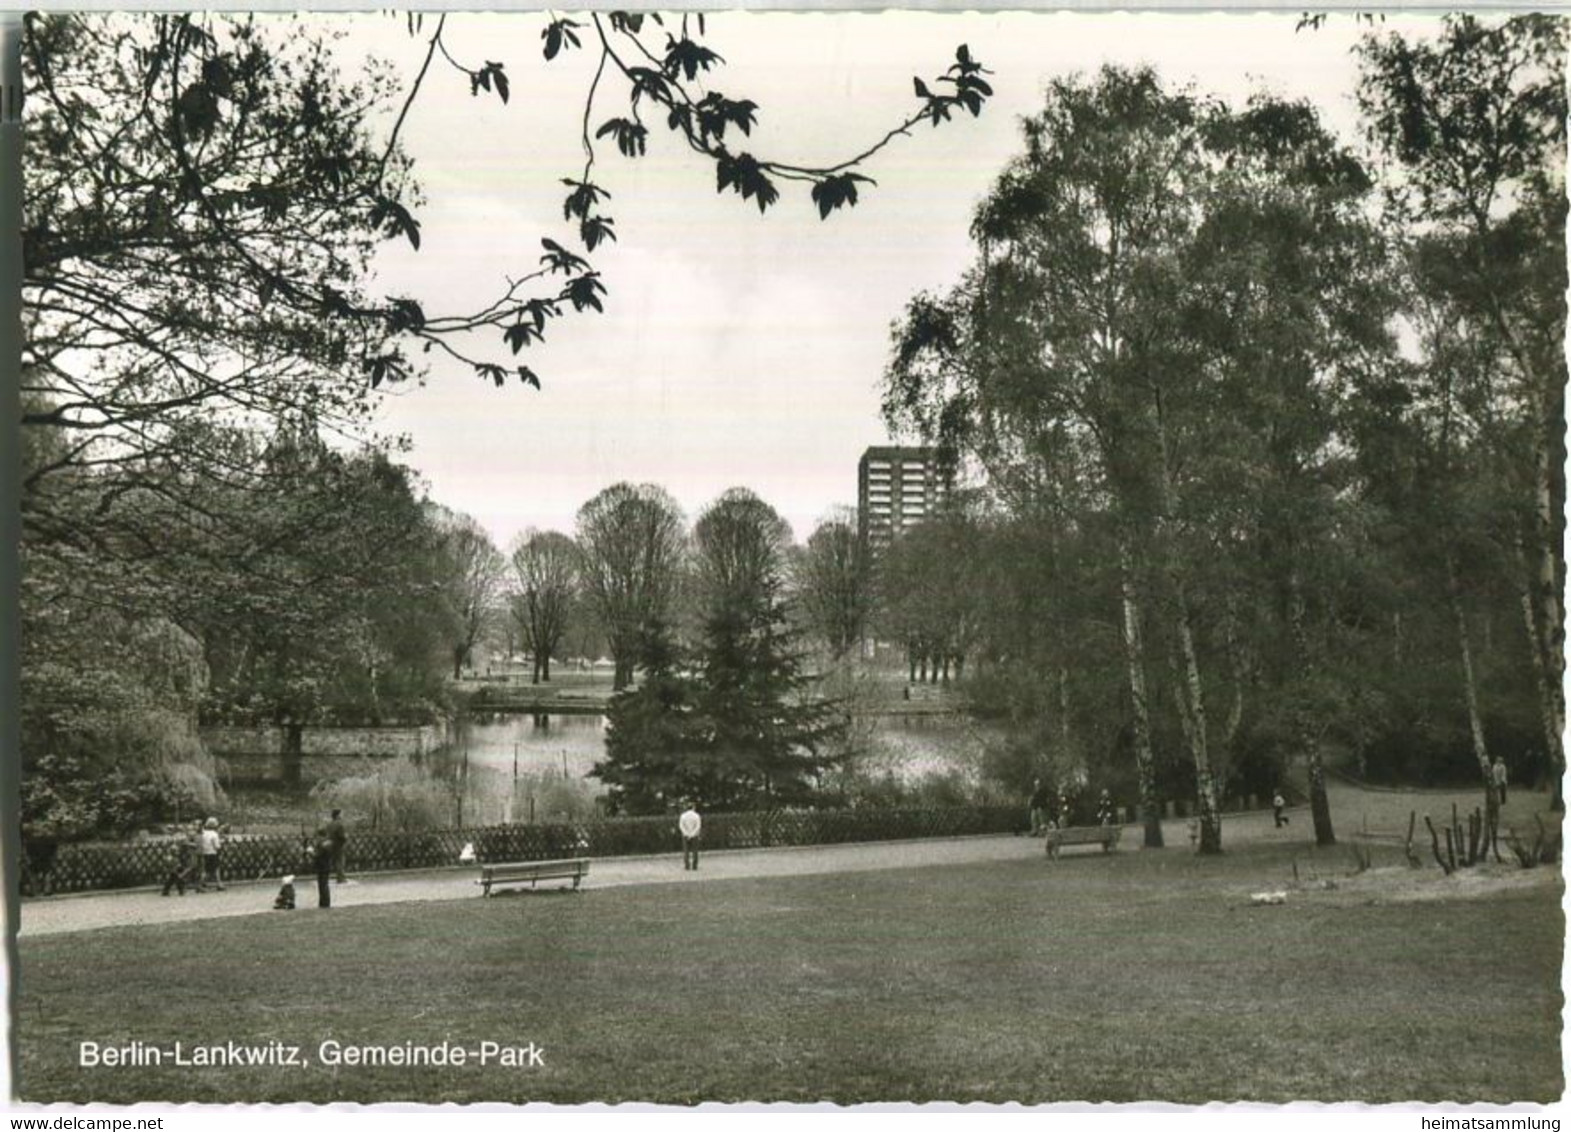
point(735, 349)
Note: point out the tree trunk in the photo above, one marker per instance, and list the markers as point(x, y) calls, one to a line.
point(1194, 713)
point(1140, 714)
point(1470, 689)
point(1066, 744)
point(545, 667)
point(1309, 740)
point(1192, 689)
point(458, 662)
point(1543, 628)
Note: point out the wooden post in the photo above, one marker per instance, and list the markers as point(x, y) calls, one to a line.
point(1412, 857)
point(1434, 843)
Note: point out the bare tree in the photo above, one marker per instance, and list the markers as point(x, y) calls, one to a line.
point(472, 574)
point(831, 582)
point(546, 565)
point(631, 542)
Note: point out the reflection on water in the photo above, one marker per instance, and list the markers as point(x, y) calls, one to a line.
point(535, 767)
point(563, 744)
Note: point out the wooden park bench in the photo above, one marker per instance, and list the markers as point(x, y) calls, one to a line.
point(532, 873)
point(1104, 835)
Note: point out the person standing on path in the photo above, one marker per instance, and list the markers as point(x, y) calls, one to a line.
point(322, 862)
point(210, 844)
point(181, 860)
point(1499, 773)
point(1278, 805)
point(1040, 800)
point(337, 835)
point(690, 825)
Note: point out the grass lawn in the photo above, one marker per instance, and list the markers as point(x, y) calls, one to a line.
point(1140, 976)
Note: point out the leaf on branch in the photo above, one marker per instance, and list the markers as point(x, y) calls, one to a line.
point(833, 192)
point(687, 57)
point(630, 136)
point(716, 112)
point(527, 376)
point(584, 197)
point(743, 173)
point(560, 259)
point(394, 219)
point(495, 373)
point(334, 303)
point(585, 291)
point(556, 34)
point(596, 230)
point(631, 22)
point(540, 310)
point(384, 367)
point(649, 84)
point(520, 334)
point(921, 88)
point(405, 315)
point(486, 76)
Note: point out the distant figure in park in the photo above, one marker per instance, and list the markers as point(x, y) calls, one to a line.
point(322, 862)
point(182, 865)
point(211, 843)
point(1066, 816)
point(1500, 775)
point(690, 825)
point(1040, 801)
point(40, 848)
point(1104, 809)
point(1278, 805)
point(339, 837)
point(285, 900)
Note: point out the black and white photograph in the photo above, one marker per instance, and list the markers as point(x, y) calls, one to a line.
point(789, 558)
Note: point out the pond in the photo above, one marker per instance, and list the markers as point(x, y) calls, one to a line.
point(535, 766)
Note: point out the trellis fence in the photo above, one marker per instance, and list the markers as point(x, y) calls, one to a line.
point(86, 867)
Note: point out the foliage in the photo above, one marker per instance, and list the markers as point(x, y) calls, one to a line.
point(735, 724)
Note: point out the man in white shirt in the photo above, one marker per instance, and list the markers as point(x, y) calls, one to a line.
point(690, 824)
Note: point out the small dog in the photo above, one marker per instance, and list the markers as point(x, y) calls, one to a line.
point(285, 900)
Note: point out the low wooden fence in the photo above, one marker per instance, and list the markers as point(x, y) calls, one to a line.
point(86, 867)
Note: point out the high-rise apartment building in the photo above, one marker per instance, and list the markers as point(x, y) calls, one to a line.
point(896, 488)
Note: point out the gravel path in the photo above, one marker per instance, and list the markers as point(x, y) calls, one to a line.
point(1352, 808)
point(85, 912)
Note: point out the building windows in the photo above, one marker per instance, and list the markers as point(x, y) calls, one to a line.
point(896, 489)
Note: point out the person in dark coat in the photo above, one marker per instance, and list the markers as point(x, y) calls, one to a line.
point(1039, 804)
point(322, 862)
point(339, 837)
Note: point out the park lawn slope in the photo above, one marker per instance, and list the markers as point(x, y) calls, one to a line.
point(1137, 976)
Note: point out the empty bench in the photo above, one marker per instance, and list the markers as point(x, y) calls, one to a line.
point(531, 873)
point(1104, 835)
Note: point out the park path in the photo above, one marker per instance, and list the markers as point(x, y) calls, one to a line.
point(73, 913)
point(1355, 810)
